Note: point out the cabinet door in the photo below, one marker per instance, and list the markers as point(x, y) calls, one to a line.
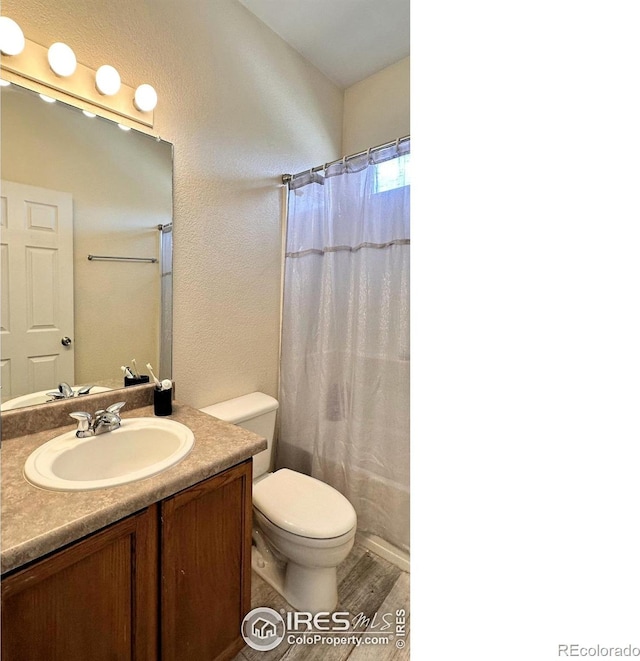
point(206, 567)
point(96, 599)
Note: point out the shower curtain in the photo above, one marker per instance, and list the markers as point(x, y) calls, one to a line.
point(344, 415)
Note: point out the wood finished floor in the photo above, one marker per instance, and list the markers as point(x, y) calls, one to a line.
point(366, 584)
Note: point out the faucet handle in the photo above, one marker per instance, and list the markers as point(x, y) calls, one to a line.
point(84, 420)
point(115, 408)
point(65, 389)
point(110, 414)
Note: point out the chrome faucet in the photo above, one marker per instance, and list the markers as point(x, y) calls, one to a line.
point(102, 421)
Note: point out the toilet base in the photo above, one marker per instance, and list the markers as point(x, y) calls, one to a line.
point(312, 589)
point(270, 572)
point(309, 589)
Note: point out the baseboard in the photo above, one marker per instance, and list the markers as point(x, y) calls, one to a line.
point(385, 550)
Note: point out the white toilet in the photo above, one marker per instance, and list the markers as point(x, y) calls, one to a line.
point(303, 528)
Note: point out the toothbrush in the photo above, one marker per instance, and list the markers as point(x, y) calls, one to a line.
point(158, 384)
point(135, 369)
point(127, 372)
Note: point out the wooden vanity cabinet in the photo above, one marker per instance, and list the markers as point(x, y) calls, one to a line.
point(206, 568)
point(96, 599)
point(171, 582)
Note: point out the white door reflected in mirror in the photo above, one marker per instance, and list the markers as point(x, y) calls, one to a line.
point(37, 288)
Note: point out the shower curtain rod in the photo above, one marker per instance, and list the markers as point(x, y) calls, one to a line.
point(286, 178)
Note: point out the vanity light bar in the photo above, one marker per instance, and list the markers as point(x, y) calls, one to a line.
point(55, 72)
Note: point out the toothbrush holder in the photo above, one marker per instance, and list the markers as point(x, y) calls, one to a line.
point(162, 401)
point(128, 381)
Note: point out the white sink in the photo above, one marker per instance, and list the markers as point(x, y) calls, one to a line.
point(40, 397)
point(141, 447)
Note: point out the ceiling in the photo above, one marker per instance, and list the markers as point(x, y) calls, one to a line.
point(348, 40)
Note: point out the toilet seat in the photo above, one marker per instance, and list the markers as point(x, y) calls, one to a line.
point(303, 506)
point(275, 534)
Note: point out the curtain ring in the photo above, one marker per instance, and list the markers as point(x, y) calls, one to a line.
point(397, 144)
point(369, 156)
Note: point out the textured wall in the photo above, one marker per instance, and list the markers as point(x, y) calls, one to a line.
point(376, 109)
point(241, 107)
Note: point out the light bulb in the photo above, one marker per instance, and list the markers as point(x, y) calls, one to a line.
point(123, 127)
point(4, 83)
point(86, 113)
point(145, 98)
point(11, 37)
point(46, 98)
point(107, 80)
point(62, 59)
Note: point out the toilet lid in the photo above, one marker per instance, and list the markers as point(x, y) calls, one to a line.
point(303, 505)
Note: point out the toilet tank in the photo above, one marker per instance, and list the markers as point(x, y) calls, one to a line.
point(255, 412)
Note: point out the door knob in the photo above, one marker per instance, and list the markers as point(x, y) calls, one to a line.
point(65, 341)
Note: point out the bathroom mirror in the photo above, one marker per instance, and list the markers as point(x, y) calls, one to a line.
point(86, 249)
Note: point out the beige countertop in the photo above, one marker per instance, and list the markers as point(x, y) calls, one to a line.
point(37, 521)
